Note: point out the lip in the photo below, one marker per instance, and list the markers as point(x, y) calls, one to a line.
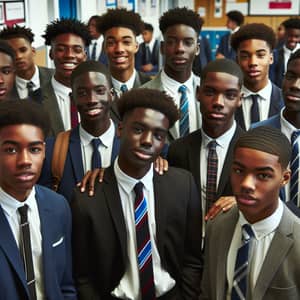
point(143, 154)
point(246, 200)
point(25, 176)
point(216, 115)
point(3, 91)
point(292, 97)
point(179, 60)
point(119, 59)
point(20, 64)
point(69, 65)
point(94, 111)
point(253, 73)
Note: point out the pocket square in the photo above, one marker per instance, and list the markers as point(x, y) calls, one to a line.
point(58, 242)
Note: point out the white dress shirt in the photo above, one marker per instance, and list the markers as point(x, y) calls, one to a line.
point(171, 87)
point(105, 148)
point(264, 100)
point(117, 84)
point(129, 286)
point(21, 84)
point(10, 207)
point(264, 232)
point(99, 42)
point(287, 53)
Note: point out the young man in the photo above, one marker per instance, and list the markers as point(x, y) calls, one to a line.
point(234, 21)
point(260, 238)
point(7, 72)
point(68, 39)
point(219, 95)
point(110, 263)
point(92, 97)
point(30, 77)
point(180, 28)
point(35, 223)
point(262, 99)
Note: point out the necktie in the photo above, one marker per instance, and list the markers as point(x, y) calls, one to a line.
point(184, 112)
point(93, 56)
point(123, 88)
point(143, 244)
point(74, 115)
point(30, 86)
point(254, 109)
point(294, 169)
point(212, 171)
point(239, 287)
point(147, 55)
point(25, 246)
point(96, 158)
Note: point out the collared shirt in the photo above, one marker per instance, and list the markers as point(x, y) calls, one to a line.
point(129, 83)
point(264, 100)
point(10, 207)
point(129, 286)
point(223, 143)
point(21, 84)
point(287, 53)
point(99, 42)
point(264, 232)
point(171, 87)
point(151, 44)
point(105, 149)
point(62, 94)
point(287, 129)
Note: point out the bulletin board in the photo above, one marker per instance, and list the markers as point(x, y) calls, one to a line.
point(12, 12)
point(274, 7)
point(128, 4)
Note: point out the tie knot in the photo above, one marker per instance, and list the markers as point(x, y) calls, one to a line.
point(294, 136)
point(212, 145)
point(96, 143)
point(247, 233)
point(123, 88)
point(182, 89)
point(254, 97)
point(138, 188)
point(23, 212)
point(30, 85)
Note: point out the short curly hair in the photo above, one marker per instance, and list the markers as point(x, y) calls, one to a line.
point(120, 17)
point(16, 31)
point(236, 16)
point(148, 98)
point(292, 23)
point(257, 31)
point(65, 25)
point(180, 15)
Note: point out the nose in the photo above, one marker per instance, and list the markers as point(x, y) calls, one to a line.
point(248, 183)
point(119, 47)
point(1, 77)
point(147, 139)
point(219, 100)
point(253, 60)
point(24, 159)
point(180, 46)
point(69, 52)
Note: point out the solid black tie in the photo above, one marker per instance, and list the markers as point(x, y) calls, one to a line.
point(93, 56)
point(30, 86)
point(26, 252)
point(96, 158)
point(254, 109)
point(147, 57)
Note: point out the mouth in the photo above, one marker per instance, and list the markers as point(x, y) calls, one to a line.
point(120, 59)
point(143, 155)
point(69, 66)
point(3, 92)
point(20, 64)
point(94, 111)
point(253, 73)
point(245, 200)
point(292, 97)
point(216, 115)
point(179, 61)
point(25, 177)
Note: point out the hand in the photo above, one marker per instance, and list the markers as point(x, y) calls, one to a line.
point(161, 165)
point(89, 179)
point(222, 204)
point(147, 68)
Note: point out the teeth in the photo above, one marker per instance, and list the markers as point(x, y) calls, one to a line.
point(94, 111)
point(120, 59)
point(69, 65)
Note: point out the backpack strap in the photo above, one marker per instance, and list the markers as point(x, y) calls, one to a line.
point(60, 151)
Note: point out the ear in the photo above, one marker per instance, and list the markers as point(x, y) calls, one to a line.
point(198, 49)
point(33, 51)
point(198, 91)
point(285, 177)
point(162, 45)
point(137, 46)
point(51, 53)
point(240, 99)
point(271, 58)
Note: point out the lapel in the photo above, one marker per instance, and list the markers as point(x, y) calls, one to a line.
point(278, 250)
point(137, 81)
point(239, 117)
point(275, 103)
point(75, 154)
point(115, 149)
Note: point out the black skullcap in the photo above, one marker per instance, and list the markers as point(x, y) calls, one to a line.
point(223, 65)
point(267, 139)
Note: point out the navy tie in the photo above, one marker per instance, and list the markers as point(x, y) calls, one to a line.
point(93, 56)
point(254, 109)
point(96, 158)
point(241, 270)
point(294, 165)
point(147, 55)
point(184, 112)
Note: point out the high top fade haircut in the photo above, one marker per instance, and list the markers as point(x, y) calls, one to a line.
point(254, 31)
point(65, 25)
point(267, 139)
point(292, 23)
point(148, 98)
point(120, 17)
point(7, 49)
point(16, 31)
point(180, 15)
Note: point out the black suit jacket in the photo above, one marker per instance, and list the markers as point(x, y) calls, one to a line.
point(185, 153)
point(100, 242)
point(276, 72)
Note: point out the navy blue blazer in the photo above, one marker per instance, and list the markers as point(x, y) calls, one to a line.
point(276, 71)
point(101, 58)
point(276, 105)
point(225, 47)
point(55, 218)
point(73, 171)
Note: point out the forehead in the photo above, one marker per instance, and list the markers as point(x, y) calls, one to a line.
point(119, 32)
point(68, 39)
point(180, 29)
point(26, 132)
point(16, 41)
point(292, 31)
point(221, 79)
point(5, 59)
point(95, 78)
point(253, 45)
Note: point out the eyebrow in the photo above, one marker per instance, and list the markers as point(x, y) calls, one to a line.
point(257, 169)
point(11, 142)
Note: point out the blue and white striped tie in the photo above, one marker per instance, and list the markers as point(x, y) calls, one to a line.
point(184, 112)
point(294, 165)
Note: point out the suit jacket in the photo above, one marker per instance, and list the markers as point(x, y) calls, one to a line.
point(100, 242)
point(279, 275)
point(204, 57)
point(276, 71)
point(73, 170)
point(55, 220)
point(157, 84)
point(185, 153)
point(101, 58)
point(276, 105)
point(225, 47)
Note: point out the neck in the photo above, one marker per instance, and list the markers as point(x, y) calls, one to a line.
point(64, 81)
point(256, 86)
point(122, 76)
point(27, 74)
point(136, 172)
point(292, 117)
point(216, 131)
point(178, 76)
point(96, 129)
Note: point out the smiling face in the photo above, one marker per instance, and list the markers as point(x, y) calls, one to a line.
point(143, 133)
point(292, 36)
point(67, 51)
point(22, 152)
point(219, 96)
point(7, 76)
point(256, 178)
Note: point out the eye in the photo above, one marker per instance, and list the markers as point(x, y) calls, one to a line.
point(264, 176)
point(35, 149)
point(78, 49)
point(10, 150)
point(208, 92)
point(6, 70)
point(137, 129)
point(290, 76)
point(237, 170)
point(160, 136)
point(230, 96)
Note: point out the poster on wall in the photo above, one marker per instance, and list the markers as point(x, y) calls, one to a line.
point(274, 7)
point(12, 12)
point(2, 19)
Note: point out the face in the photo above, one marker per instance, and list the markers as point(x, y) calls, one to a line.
point(120, 47)
point(256, 178)
point(22, 151)
point(254, 58)
point(92, 27)
point(24, 54)
point(280, 32)
point(291, 87)
point(219, 96)
point(147, 36)
point(7, 76)
point(292, 36)
point(179, 49)
point(143, 133)
point(91, 94)
point(67, 51)
point(231, 24)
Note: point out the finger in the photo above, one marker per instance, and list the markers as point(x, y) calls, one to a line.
point(213, 211)
point(101, 175)
point(166, 165)
point(92, 180)
point(84, 181)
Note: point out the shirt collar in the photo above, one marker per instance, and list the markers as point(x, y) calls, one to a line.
point(99, 41)
point(129, 83)
point(60, 89)
point(35, 79)
point(286, 127)
point(288, 51)
point(264, 93)
point(173, 85)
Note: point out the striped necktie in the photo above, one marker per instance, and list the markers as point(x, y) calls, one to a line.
point(294, 165)
point(96, 158)
point(241, 270)
point(143, 244)
point(184, 112)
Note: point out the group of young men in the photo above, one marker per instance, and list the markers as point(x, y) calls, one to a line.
point(149, 231)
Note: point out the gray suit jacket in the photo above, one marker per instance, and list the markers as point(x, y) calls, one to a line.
point(280, 272)
point(157, 84)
